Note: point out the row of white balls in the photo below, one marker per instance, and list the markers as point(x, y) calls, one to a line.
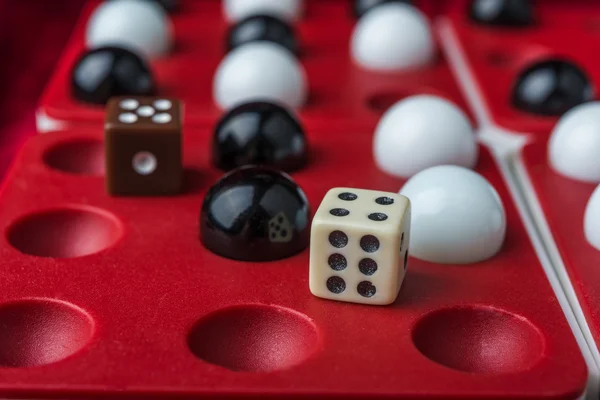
point(392, 36)
point(457, 215)
point(422, 131)
point(403, 146)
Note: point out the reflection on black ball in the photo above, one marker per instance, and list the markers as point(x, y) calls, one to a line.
point(502, 12)
point(551, 87)
point(360, 7)
point(107, 72)
point(259, 133)
point(262, 28)
point(169, 6)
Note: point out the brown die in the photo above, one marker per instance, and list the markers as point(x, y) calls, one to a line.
point(143, 146)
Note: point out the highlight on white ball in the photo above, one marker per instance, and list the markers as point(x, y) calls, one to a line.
point(423, 131)
point(392, 37)
point(287, 10)
point(574, 146)
point(457, 216)
point(260, 71)
point(140, 26)
point(591, 219)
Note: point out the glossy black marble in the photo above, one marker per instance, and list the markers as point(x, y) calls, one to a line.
point(262, 28)
point(106, 72)
point(360, 7)
point(551, 87)
point(168, 5)
point(502, 12)
point(255, 214)
point(259, 133)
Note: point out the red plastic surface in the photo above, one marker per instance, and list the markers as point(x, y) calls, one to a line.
point(340, 93)
point(117, 296)
point(563, 201)
point(496, 56)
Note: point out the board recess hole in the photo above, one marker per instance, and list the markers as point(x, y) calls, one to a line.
point(82, 157)
point(479, 340)
point(65, 232)
point(499, 58)
point(41, 331)
point(254, 338)
point(382, 101)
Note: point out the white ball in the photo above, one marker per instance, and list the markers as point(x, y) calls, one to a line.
point(140, 26)
point(591, 219)
point(392, 37)
point(457, 216)
point(423, 131)
point(260, 71)
point(574, 147)
point(288, 10)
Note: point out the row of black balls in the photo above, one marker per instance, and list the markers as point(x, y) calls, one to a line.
point(257, 212)
point(496, 12)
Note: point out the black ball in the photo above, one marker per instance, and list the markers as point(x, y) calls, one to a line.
point(106, 72)
point(502, 12)
point(169, 6)
point(262, 28)
point(551, 87)
point(360, 7)
point(255, 214)
point(259, 133)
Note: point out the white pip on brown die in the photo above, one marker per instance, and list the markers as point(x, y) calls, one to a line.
point(359, 246)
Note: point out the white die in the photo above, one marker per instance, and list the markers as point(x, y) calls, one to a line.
point(359, 246)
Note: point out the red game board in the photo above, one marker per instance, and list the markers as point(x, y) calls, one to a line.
point(116, 297)
point(140, 289)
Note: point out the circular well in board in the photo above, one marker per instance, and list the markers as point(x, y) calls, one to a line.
point(254, 338)
point(83, 156)
point(41, 331)
point(479, 339)
point(65, 232)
